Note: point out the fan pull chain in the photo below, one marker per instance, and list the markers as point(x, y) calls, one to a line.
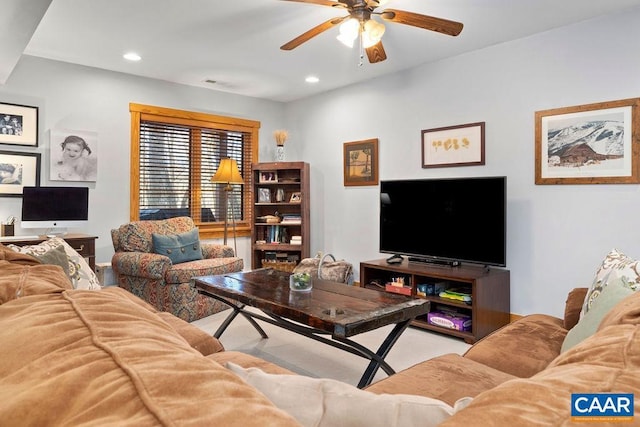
point(361, 46)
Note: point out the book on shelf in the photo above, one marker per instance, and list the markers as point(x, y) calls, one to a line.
point(294, 219)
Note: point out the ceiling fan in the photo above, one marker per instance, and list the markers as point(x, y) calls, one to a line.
point(360, 24)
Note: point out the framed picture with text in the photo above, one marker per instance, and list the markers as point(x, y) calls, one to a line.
point(461, 145)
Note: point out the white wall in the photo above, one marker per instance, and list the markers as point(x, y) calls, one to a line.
point(557, 234)
point(83, 98)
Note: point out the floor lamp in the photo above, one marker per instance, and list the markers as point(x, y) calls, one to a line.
point(228, 174)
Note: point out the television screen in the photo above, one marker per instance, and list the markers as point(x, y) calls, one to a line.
point(448, 219)
point(54, 207)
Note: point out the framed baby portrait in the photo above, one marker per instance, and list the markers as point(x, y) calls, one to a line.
point(74, 155)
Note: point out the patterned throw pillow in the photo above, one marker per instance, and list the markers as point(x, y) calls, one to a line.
point(81, 275)
point(616, 265)
point(178, 247)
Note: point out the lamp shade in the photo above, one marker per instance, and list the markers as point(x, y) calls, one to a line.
point(227, 173)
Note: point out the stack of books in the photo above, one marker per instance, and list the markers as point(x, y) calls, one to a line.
point(291, 219)
point(296, 240)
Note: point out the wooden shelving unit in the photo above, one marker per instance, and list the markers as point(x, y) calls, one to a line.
point(280, 188)
point(489, 308)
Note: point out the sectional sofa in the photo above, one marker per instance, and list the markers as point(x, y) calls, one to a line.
point(105, 357)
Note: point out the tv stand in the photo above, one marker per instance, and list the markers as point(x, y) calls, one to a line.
point(489, 308)
point(434, 261)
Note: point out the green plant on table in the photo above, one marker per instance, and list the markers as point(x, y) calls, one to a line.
point(300, 282)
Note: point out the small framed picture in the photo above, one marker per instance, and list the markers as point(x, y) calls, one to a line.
point(296, 197)
point(18, 124)
point(269, 176)
point(17, 170)
point(264, 195)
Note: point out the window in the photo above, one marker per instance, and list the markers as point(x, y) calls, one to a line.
point(175, 153)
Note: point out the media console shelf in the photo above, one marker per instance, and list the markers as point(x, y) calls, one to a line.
point(489, 308)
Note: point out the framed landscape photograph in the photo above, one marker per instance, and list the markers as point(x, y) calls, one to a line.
point(461, 145)
point(588, 144)
point(361, 162)
point(18, 170)
point(18, 125)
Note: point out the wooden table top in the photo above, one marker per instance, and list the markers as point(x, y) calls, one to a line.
point(337, 308)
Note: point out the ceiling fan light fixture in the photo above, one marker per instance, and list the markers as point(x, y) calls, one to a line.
point(349, 30)
point(372, 33)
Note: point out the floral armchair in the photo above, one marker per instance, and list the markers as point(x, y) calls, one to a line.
point(154, 278)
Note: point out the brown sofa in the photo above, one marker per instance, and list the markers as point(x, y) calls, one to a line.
point(75, 357)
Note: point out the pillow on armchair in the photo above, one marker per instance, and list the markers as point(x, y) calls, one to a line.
point(179, 248)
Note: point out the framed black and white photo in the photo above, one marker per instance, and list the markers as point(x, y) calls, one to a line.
point(18, 125)
point(18, 170)
point(74, 155)
point(264, 195)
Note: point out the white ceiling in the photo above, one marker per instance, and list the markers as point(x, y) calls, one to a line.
point(236, 42)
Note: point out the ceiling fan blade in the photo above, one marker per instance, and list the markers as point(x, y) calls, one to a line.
point(376, 53)
point(321, 2)
point(439, 25)
point(306, 36)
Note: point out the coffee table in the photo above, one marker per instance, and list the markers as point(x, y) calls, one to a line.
point(330, 313)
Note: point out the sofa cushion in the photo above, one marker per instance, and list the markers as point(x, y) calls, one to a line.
point(196, 337)
point(606, 362)
point(573, 307)
point(179, 248)
point(321, 402)
point(615, 265)
point(21, 275)
point(613, 293)
point(93, 358)
point(448, 378)
point(626, 312)
point(535, 338)
point(82, 276)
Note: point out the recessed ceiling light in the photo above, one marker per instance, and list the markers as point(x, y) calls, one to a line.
point(312, 79)
point(132, 56)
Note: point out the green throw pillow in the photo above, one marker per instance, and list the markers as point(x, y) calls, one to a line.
point(615, 291)
point(54, 256)
point(178, 247)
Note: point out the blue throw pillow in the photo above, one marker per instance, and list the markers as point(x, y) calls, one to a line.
point(178, 247)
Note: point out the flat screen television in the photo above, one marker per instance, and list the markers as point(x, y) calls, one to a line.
point(445, 220)
point(54, 207)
